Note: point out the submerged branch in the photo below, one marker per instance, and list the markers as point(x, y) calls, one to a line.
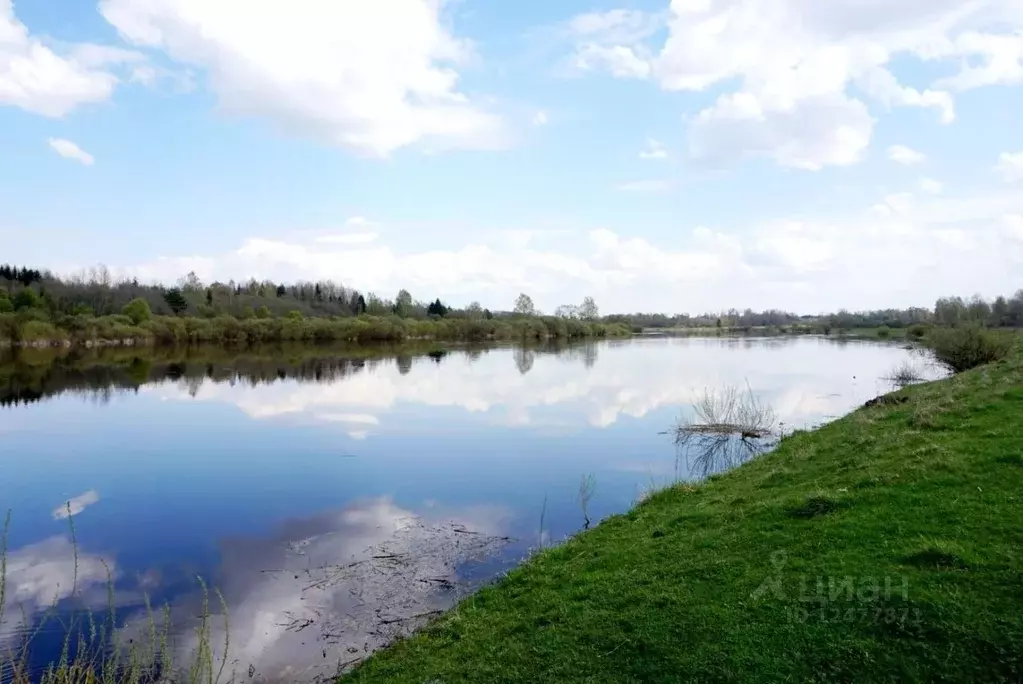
point(727, 413)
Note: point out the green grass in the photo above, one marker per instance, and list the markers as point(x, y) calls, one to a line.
point(886, 546)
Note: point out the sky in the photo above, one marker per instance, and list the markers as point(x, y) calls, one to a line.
point(682, 156)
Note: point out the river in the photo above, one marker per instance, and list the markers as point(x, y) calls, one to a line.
point(338, 499)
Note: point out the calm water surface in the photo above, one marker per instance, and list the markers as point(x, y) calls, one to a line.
point(337, 502)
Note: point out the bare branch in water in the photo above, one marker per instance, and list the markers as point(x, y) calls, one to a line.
point(727, 428)
point(727, 413)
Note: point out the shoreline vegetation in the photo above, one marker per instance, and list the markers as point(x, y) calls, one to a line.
point(883, 546)
point(39, 308)
point(120, 330)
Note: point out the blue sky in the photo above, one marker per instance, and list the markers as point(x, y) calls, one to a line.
point(691, 155)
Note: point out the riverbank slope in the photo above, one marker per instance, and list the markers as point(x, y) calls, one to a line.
point(885, 546)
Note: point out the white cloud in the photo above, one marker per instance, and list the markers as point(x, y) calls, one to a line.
point(931, 186)
point(1001, 57)
point(69, 150)
point(540, 118)
point(799, 74)
point(75, 505)
point(814, 133)
point(37, 79)
point(368, 75)
point(357, 418)
point(805, 263)
point(654, 149)
point(1010, 166)
point(619, 60)
point(900, 154)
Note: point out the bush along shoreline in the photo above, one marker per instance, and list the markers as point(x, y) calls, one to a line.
point(126, 330)
point(881, 547)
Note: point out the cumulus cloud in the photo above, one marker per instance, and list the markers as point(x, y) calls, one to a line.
point(540, 118)
point(37, 79)
point(799, 75)
point(368, 75)
point(900, 154)
point(70, 150)
point(611, 41)
point(75, 505)
point(1010, 166)
point(788, 262)
point(654, 149)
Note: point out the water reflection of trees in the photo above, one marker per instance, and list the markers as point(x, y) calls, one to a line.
point(31, 375)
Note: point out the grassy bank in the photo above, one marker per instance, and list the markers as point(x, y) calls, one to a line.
point(885, 546)
point(26, 330)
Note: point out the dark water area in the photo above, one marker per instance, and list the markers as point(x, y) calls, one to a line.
point(338, 498)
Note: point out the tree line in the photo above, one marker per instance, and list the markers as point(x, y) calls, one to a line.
point(72, 301)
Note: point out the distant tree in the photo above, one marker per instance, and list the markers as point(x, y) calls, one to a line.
point(1000, 312)
point(978, 310)
point(437, 308)
point(588, 311)
point(137, 310)
point(295, 315)
point(403, 303)
point(26, 298)
point(281, 291)
point(474, 311)
point(190, 283)
point(358, 304)
point(263, 312)
point(318, 296)
point(718, 323)
point(247, 312)
point(6, 305)
point(524, 305)
point(209, 296)
point(176, 301)
point(487, 314)
point(567, 311)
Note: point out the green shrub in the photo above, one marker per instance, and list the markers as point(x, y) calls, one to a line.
point(968, 347)
point(6, 305)
point(138, 311)
point(917, 331)
point(40, 331)
point(884, 332)
point(26, 298)
point(263, 312)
